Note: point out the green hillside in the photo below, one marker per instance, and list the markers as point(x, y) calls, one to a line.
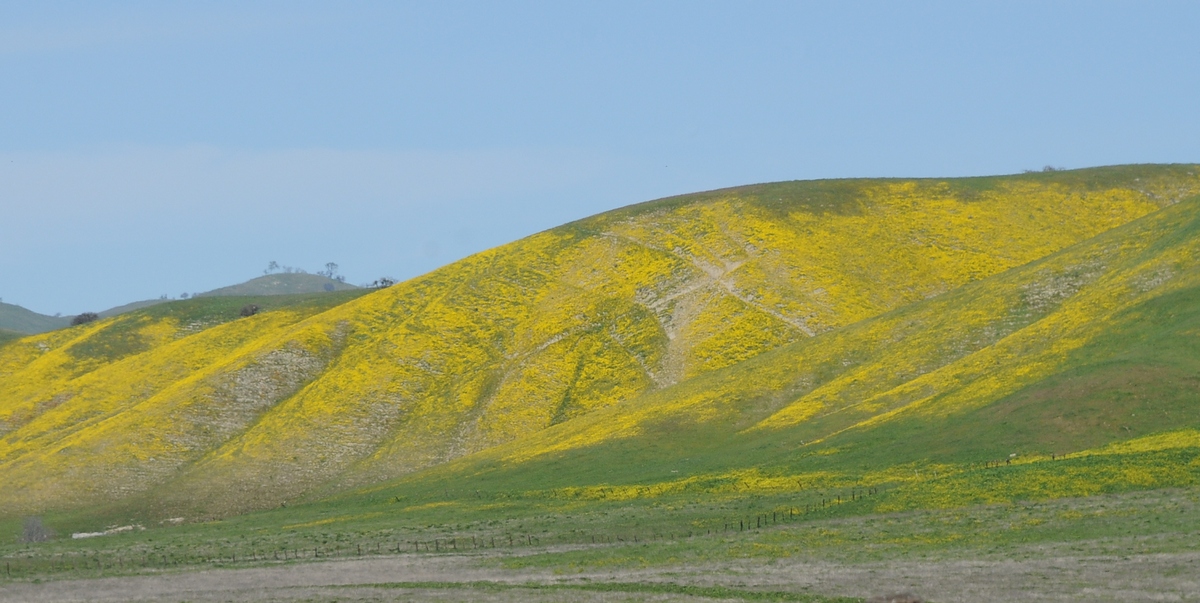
point(21, 320)
point(789, 339)
point(7, 336)
point(282, 284)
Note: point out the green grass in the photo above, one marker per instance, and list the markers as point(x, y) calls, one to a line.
point(642, 534)
point(713, 592)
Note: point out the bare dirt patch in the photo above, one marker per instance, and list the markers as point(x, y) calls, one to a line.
point(1156, 577)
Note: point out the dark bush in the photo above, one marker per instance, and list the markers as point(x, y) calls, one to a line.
point(250, 309)
point(84, 318)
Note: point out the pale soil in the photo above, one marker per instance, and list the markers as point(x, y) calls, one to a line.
point(1157, 577)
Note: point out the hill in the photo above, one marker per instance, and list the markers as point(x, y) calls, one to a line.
point(757, 335)
point(21, 320)
point(282, 284)
point(1069, 376)
point(1063, 389)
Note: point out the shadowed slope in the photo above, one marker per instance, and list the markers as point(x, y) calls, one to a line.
point(550, 329)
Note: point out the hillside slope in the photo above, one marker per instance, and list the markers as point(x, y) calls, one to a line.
point(1070, 376)
point(547, 330)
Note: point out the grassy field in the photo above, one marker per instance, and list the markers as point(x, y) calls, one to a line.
point(692, 548)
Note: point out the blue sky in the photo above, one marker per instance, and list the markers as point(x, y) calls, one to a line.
point(160, 148)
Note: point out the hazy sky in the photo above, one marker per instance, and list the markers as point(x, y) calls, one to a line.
point(160, 148)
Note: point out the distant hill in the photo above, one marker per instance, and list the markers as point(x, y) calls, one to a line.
point(282, 284)
point(21, 320)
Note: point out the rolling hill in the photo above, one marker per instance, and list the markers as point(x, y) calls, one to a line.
point(1077, 373)
point(791, 335)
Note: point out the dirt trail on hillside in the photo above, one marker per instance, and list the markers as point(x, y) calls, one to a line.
point(1160, 577)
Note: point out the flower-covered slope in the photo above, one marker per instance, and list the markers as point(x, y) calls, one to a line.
point(219, 415)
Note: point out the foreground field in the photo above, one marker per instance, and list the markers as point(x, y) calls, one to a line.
point(1136, 546)
point(420, 578)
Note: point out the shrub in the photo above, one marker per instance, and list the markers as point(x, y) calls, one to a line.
point(84, 318)
point(250, 309)
point(35, 530)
